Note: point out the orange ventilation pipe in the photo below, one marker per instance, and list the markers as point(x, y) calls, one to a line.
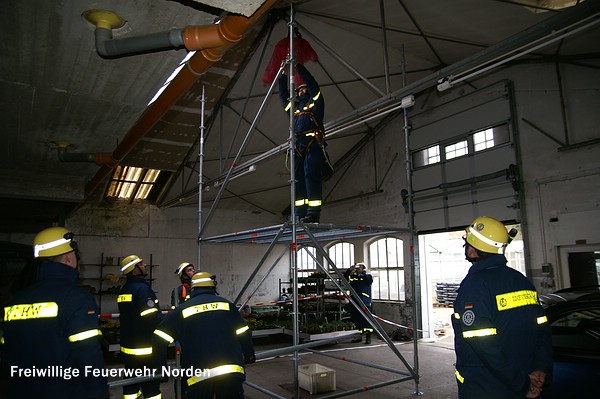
point(210, 43)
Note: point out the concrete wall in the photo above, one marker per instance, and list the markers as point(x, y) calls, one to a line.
point(561, 180)
point(560, 207)
point(168, 237)
point(561, 204)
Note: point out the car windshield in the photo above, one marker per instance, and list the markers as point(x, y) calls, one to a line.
point(578, 329)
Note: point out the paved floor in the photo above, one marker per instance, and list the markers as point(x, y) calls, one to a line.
point(435, 368)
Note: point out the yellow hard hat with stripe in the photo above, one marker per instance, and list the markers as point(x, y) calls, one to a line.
point(128, 263)
point(487, 235)
point(182, 267)
point(203, 279)
point(53, 241)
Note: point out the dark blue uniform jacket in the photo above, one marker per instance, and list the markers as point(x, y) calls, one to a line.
point(211, 331)
point(501, 332)
point(180, 294)
point(139, 314)
point(52, 325)
point(303, 122)
point(362, 285)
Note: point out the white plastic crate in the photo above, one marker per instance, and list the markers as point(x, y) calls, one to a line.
point(316, 378)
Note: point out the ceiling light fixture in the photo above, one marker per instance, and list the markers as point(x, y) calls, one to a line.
point(575, 28)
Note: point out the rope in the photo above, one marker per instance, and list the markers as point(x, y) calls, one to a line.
point(116, 315)
point(304, 298)
point(397, 325)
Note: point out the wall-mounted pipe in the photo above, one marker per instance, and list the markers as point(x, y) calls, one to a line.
point(231, 27)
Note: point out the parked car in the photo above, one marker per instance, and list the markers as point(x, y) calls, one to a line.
point(574, 315)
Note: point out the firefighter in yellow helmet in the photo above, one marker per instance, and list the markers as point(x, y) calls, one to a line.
point(214, 338)
point(54, 322)
point(311, 162)
point(139, 315)
point(361, 282)
point(502, 338)
point(180, 294)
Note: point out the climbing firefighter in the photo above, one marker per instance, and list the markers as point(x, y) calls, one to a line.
point(52, 327)
point(215, 339)
point(139, 316)
point(361, 282)
point(311, 161)
point(502, 337)
point(185, 271)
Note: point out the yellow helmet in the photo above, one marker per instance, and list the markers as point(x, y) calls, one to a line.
point(182, 267)
point(487, 235)
point(203, 279)
point(128, 263)
point(53, 241)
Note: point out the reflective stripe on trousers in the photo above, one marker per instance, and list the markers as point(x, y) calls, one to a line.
point(137, 351)
point(215, 372)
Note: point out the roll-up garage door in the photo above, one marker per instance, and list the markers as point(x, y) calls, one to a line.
point(464, 155)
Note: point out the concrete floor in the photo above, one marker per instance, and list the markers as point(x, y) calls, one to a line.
point(436, 370)
point(435, 357)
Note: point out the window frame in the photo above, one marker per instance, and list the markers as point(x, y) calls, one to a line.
point(304, 260)
point(398, 270)
point(501, 133)
point(347, 248)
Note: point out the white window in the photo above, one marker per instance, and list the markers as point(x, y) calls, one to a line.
point(433, 154)
point(483, 139)
point(515, 252)
point(386, 260)
point(342, 255)
point(426, 156)
point(306, 263)
point(457, 149)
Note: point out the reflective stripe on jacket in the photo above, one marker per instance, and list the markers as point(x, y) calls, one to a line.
point(139, 315)
point(361, 284)
point(501, 333)
point(53, 323)
point(212, 334)
point(309, 109)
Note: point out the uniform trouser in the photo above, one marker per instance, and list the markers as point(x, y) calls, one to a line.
point(478, 383)
point(308, 168)
point(471, 391)
point(150, 389)
point(228, 386)
point(356, 316)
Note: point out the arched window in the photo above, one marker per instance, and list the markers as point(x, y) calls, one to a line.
point(305, 262)
point(342, 255)
point(386, 260)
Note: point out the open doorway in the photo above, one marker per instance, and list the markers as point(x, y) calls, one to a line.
point(579, 266)
point(443, 267)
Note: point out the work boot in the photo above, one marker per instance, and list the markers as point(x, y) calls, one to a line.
point(310, 219)
point(367, 338)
